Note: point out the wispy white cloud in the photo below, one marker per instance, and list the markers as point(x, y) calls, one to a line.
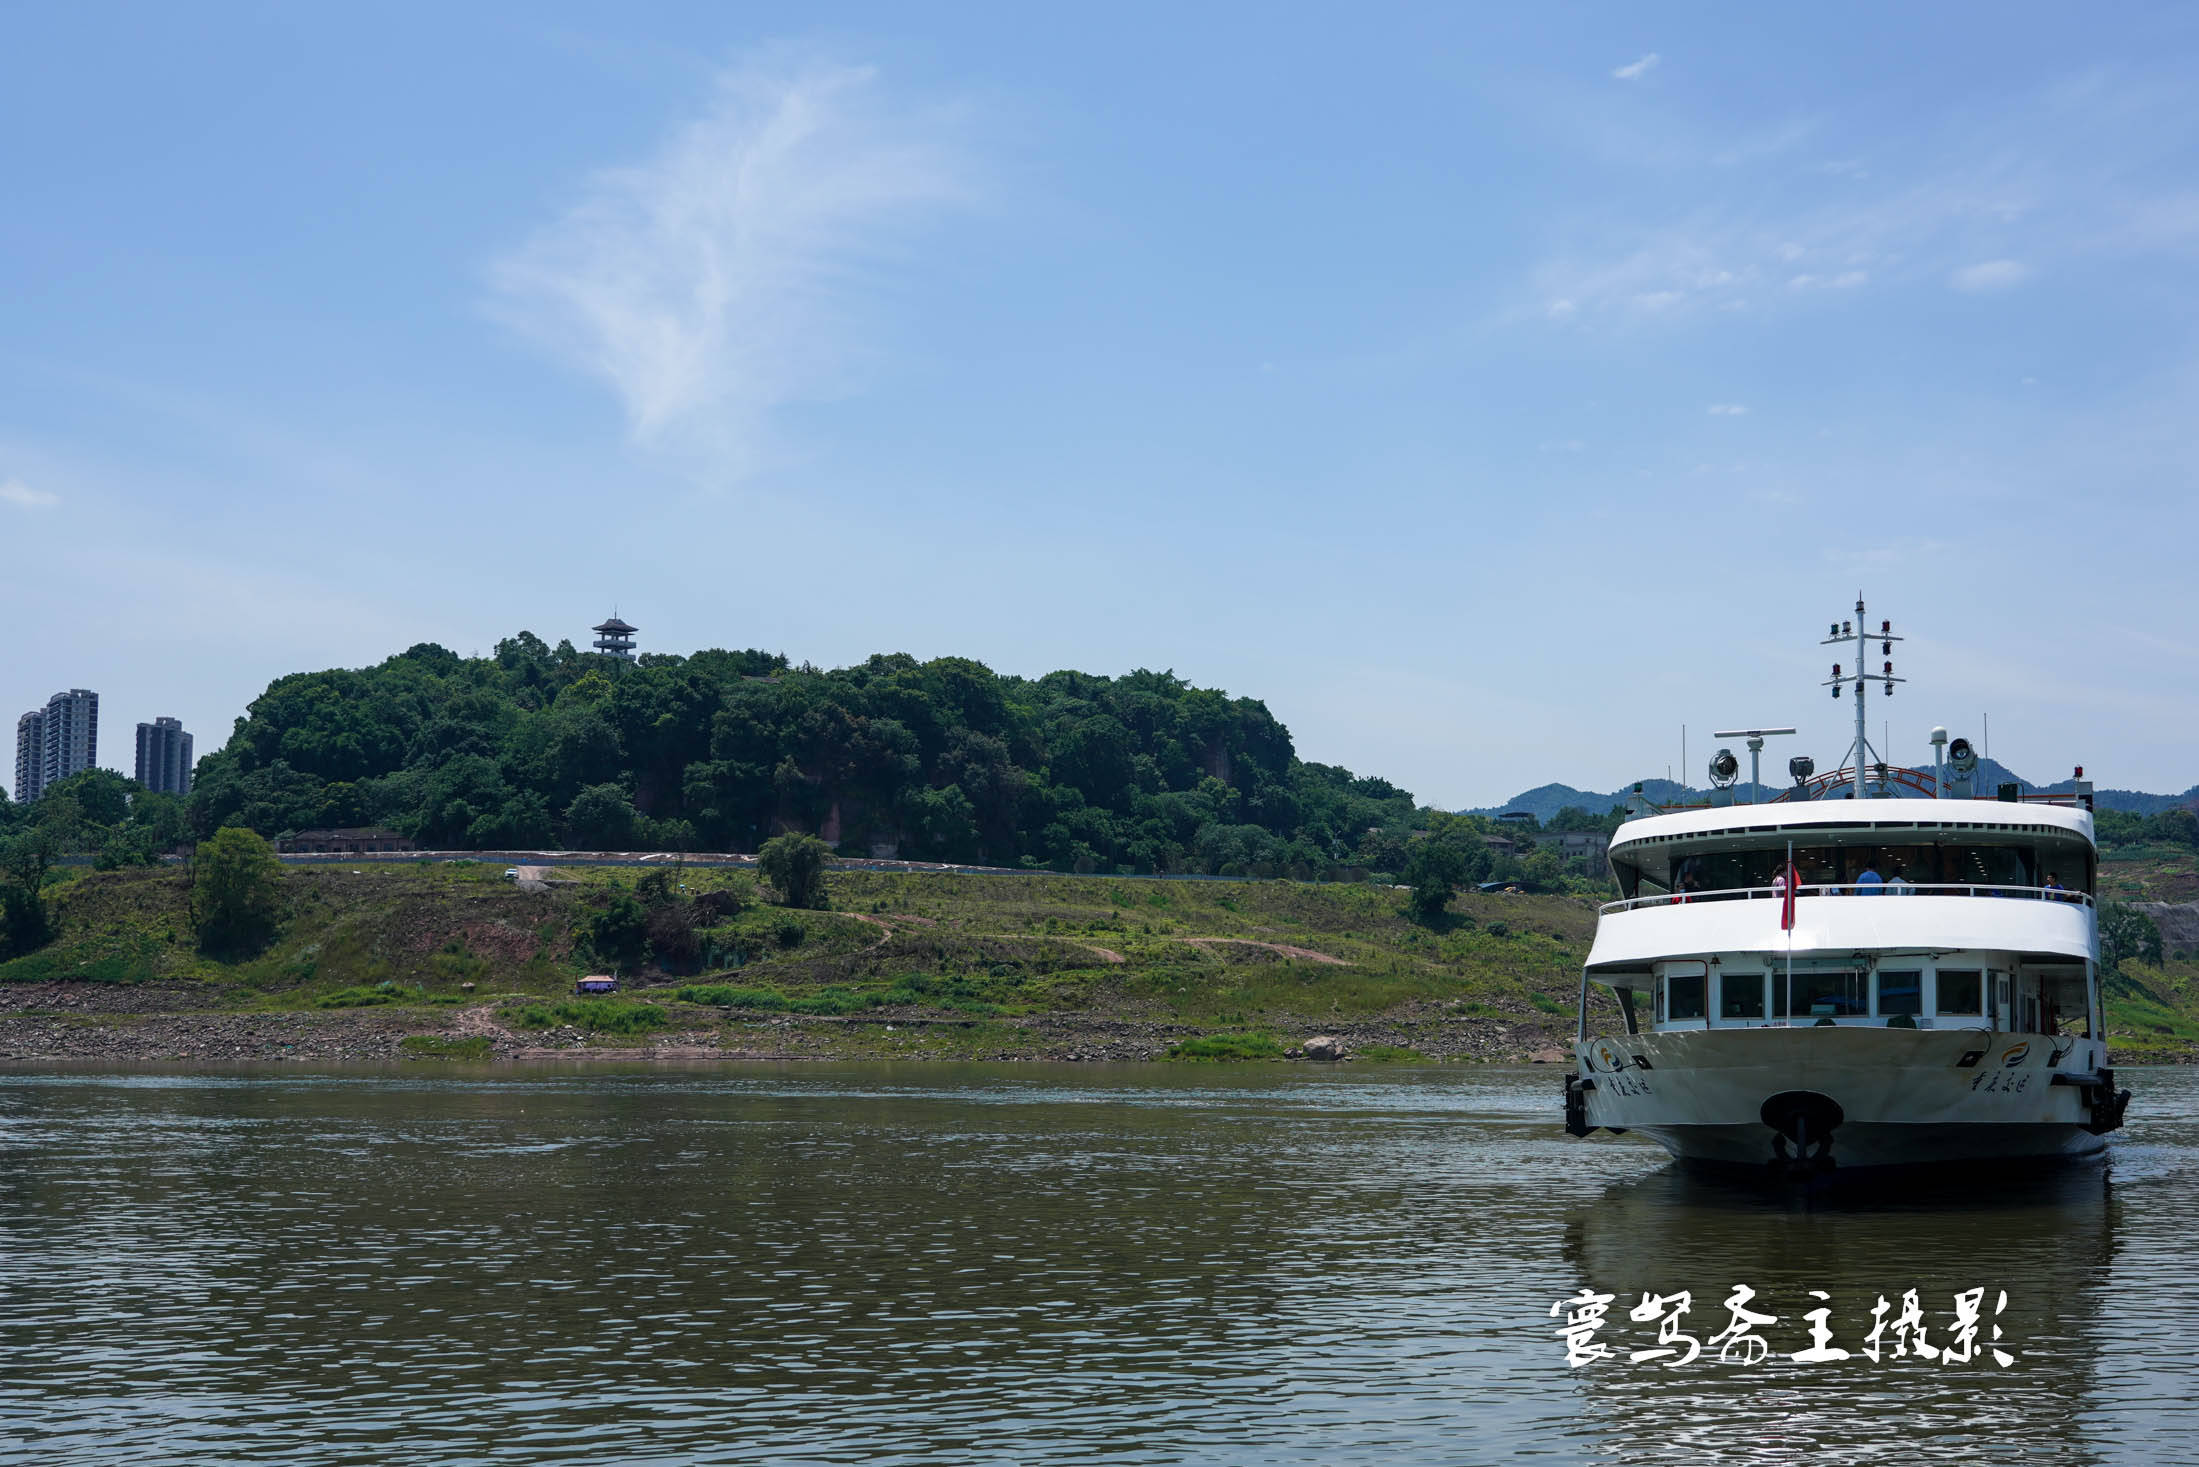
point(1984, 200)
point(1990, 275)
point(720, 277)
point(22, 495)
point(1635, 70)
point(1728, 409)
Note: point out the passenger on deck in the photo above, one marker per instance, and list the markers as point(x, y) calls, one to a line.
point(1899, 884)
point(1868, 882)
point(2055, 891)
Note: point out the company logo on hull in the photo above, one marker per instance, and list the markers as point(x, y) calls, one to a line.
point(2013, 1055)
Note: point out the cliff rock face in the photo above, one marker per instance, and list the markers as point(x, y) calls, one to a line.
point(2179, 924)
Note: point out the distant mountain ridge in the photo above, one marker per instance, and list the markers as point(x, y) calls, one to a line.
point(1544, 801)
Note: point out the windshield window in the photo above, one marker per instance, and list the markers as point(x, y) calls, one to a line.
point(1961, 991)
point(1741, 996)
point(1684, 996)
point(1831, 995)
point(1900, 992)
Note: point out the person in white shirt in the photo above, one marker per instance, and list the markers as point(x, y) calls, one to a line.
point(1900, 885)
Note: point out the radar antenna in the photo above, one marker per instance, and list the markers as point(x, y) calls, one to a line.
point(1756, 737)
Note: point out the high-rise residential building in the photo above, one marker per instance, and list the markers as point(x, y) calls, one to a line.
point(30, 755)
point(56, 741)
point(164, 757)
point(72, 733)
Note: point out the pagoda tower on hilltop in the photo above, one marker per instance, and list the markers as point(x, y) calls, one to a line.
point(616, 638)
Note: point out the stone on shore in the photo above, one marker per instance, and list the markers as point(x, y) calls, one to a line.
point(1325, 1047)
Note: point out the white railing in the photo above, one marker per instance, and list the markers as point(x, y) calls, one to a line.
point(1846, 889)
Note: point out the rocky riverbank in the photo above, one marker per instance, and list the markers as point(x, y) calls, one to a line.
point(107, 1022)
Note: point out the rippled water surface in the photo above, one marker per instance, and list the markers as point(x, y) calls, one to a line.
point(937, 1265)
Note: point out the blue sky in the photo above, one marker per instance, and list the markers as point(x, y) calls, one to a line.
point(1492, 393)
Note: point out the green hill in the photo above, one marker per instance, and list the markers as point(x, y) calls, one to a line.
point(941, 760)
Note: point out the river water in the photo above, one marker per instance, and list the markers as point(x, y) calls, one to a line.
point(1025, 1264)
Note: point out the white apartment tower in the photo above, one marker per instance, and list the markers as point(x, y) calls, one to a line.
point(56, 741)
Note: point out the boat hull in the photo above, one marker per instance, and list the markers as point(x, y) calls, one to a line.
point(1851, 1097)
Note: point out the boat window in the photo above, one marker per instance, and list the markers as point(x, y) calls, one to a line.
point(1834, 861)
point(1733, 870)
point(1900, 991)
point(1741, 996)
point(1961, 991)
point(1831, 995)
point(1917, 865)
point(1987, 865)
point(1782, 984)
point(1684, 995)
point(1818, 865)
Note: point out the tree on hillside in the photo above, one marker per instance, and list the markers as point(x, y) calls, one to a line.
point(236, 892)
point(1433, 869)
point(795, 867)
point(1573, 817)
point(601, 819)
point(2125, 934)
point(617, 933)
point(101, 796)
point(25, 857)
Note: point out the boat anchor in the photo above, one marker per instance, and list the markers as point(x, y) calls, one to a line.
point(1802, 1123)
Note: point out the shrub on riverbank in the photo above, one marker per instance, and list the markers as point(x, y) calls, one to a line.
point(914, 991)
point(726, 996)
point(360, 998)
point(596, 1015)
point(445, 1046)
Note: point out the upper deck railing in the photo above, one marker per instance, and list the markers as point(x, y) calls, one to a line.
point(1849, 889)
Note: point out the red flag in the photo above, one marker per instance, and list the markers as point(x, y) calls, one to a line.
point(1786, 905)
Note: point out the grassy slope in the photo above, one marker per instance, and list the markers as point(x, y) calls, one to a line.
point(2149, 874)
point(1003, 949)
point(2154, 1013)
point(433, 926)
point(984, 957)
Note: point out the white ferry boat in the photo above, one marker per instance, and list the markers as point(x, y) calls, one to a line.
point(1875, 969)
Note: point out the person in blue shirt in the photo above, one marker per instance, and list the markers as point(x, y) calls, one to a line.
point(1868, 882)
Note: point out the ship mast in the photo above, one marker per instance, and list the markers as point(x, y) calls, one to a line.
point(1860, 755)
